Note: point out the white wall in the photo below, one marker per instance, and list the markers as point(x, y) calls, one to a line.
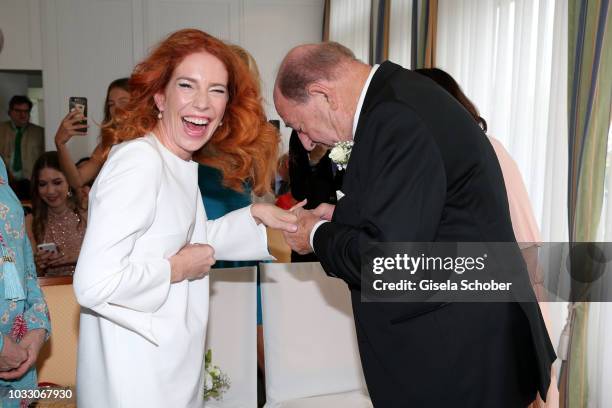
point(28, 83)
point(11, 83)
point(270, 29)
point(85, 44)
point(20, 23)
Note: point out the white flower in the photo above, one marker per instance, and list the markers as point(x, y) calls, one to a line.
point(216, 383)
point(341, 153)
point(208, 381)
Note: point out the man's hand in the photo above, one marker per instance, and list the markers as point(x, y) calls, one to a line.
point(299, 241)
point(12, 356)
point(324, 211)
point(31, 343)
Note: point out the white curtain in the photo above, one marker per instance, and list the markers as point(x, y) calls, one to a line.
point(510, 58)
point(553, 214)
point(599, 359)
point(400, 32)
point(349, 25)
point(600, 314)
point(500, 52)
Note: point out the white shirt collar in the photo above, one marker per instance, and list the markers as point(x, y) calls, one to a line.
point(364, 91)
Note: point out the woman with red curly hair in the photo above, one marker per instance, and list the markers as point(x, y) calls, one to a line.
point(142, 272)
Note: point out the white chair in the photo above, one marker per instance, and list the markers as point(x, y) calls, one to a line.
point(311, 351)
point(232, 334)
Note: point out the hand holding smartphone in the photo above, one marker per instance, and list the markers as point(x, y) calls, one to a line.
point(79, 103)
point(47, 246)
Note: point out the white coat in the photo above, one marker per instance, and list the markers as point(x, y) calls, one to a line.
point(141, 341)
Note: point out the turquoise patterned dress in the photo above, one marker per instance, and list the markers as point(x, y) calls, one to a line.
point(22, 305)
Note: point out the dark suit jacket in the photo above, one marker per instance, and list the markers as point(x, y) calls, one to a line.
point(421, 170)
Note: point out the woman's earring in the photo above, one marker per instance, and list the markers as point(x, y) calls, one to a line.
point(159, 115)
point(69, 193)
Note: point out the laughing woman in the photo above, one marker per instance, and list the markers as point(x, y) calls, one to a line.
point(142, 272)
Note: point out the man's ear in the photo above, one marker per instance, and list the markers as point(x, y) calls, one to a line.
point(317, 89)
point(160, 101)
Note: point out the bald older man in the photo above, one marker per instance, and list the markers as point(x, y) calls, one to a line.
point(420, 170)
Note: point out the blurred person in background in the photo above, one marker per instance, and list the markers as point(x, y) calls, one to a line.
point(313, 178)
point(117, 96)
point(21, 143)
point(222, 196)
point(284, 199)
point(57, 218)
point(523, 221)
point(84, 190)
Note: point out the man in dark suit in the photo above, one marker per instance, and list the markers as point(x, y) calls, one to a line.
point(420, 170)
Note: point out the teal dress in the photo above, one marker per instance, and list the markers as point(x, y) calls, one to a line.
point(22, 305)
point(220, 200)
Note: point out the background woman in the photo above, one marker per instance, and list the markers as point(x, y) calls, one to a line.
point(313, 177)
point(24, 320)
point(142, 273)
point(220, 199)
point(117, 96)
point(57, 218)
point(523, 221)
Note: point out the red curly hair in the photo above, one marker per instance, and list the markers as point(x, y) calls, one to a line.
point(244, 148)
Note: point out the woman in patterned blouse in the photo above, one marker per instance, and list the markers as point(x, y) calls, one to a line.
point(24, 319)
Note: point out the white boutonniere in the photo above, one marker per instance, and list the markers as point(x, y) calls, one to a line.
point(341, 153)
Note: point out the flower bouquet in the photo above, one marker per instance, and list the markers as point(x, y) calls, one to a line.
point(215, 381)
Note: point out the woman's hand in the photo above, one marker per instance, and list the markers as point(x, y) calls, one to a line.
point(31, 343)
point(274, 217)
point(193, 261)
point(12, 356)
point(44, 259)
point(70, 127)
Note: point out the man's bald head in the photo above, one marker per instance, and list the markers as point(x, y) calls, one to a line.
point(308, 63)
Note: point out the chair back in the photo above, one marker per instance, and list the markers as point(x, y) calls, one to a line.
point(309, 334)
point(232, 333)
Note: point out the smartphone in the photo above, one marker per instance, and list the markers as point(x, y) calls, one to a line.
point(47, 246)
point(79, 103)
